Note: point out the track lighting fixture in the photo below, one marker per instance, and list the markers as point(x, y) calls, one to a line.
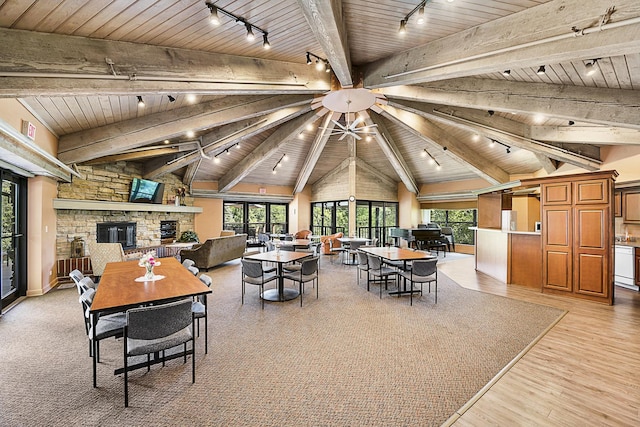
point(321, 63)
point(432, 159)
point(571, 123)
point(420, 20)
point(171, 98)
point(491, 112)
point(494, 142)
point(214, 18)
point(506, 73)
point(279, 164)
point(140, 102)
point(591, 67)
point(541, 71)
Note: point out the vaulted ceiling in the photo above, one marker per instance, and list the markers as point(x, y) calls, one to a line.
point(439, 92)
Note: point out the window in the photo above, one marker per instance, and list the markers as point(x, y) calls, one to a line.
point(255, 217)
point(330, 217)
point(374, 219)
point(13, 282)
point(459, 220)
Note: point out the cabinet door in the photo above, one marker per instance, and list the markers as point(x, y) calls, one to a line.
point(591, 251)
point(591, 192)
point(617, 204)
point(557, 242)
point(556, 194)
point(631, 207)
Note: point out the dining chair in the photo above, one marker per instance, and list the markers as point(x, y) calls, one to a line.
point(156, 328)
point(76, 276)
point(352, 252)
point(377, 269)
point(422, 271)
point(308, 273)
point(107, 325)
point(254, 274)
point(199, 308)
point(190, 265)
point(336, 247)
point(363, 265)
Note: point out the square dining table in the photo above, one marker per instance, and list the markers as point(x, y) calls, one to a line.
point(280, 258)
point(121, 287)
point(393, 253)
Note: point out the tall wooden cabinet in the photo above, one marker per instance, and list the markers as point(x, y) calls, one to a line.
point(577, 235)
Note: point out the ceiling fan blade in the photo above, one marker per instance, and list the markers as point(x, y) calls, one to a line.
point(339, 125)
point(355, 123)
point(342, 137)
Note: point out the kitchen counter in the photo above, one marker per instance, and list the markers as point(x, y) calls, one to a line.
point(635, 244)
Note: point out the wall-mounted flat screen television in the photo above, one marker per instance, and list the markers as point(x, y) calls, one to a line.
point(145, 191)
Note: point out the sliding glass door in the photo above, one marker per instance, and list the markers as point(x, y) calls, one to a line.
point(13, 238)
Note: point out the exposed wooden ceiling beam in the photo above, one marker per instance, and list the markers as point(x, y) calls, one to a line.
point(113, 138)
point(549, 165)
point(46, 61)
point(424, 129)
point(134, 155)
point(600, 135)
point(505, 43)
point(390, 150)
point(226, 136)
point(319, 142)
point(282, 135)
point(490, 127)
point(325, 20)
point(611, 107)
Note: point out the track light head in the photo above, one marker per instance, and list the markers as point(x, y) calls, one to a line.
point(309, 59)
point(592, 67)
point(506, 73)
point(327, 69)
point(171, 98)
point(320, 65)
point(508, 150)
point(403, 28)
point(213, 18)
point(265, 42)
point(491, 112)
point(141, 103)
point(420, 19)
point(541, 70)
point(250, 36)
point(571, 123)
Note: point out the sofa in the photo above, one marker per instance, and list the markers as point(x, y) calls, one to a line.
point(327, 242)
point(216, 251)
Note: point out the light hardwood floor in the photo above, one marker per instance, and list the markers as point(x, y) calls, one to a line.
point(584, 371)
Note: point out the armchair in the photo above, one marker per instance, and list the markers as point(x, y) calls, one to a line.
point(330, 241)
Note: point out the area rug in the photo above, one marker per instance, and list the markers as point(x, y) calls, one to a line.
point(345, 358)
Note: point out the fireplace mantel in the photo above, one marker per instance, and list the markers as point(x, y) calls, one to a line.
point(98, 205)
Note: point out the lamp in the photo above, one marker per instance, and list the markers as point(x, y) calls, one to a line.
point(321, 63)
point(591, 67)
point(140, 102)
point(541, 71)
point(215, 20)
point(421, 18)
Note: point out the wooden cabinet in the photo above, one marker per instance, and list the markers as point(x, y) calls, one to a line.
point(490, 207)
point(577, 231)
point(631, 206)
point(617, 204)
point(637, 267)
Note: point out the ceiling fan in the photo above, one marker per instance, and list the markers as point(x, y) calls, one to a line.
point(350, 128)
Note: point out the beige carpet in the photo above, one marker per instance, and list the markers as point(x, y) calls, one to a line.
point(347, 358)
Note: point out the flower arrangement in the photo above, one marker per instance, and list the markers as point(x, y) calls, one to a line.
point(181, 191)
point(148, 261)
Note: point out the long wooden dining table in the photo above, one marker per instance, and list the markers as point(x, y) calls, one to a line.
point(118, 289)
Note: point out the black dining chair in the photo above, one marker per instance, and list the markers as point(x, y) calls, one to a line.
point(422, 271)
point(308, 273)
point(377, 269)
point(254, 274)
point(156, 328)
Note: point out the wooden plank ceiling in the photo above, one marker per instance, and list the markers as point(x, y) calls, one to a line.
point(444, 93)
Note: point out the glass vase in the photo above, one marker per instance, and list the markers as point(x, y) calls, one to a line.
point(149, 272)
